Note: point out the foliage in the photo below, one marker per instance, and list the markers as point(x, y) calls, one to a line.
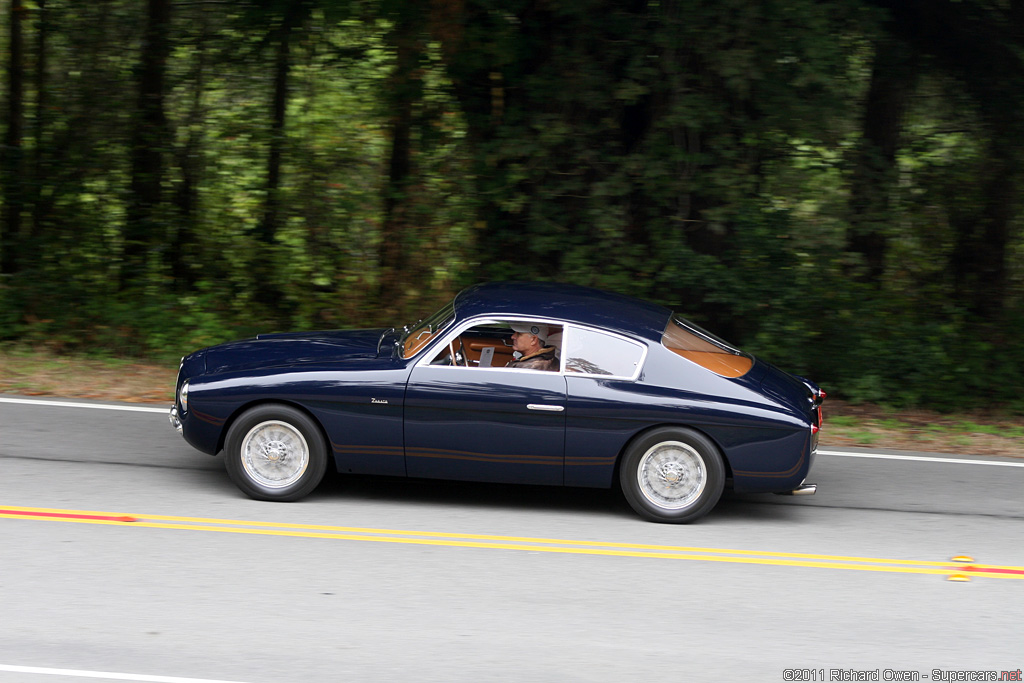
point(733, 160)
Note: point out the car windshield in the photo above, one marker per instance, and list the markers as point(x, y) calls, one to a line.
point(416, 336)
point(705, 349)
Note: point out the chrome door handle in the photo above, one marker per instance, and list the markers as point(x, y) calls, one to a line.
point(548, 408)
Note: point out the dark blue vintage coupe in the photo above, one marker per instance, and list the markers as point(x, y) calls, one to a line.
point(631, 393)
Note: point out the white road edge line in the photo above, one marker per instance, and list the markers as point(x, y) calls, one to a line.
point(95, 406)
point(921, 458)
point(44, 671)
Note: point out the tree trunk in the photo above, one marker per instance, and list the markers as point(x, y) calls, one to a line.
point(893, 76)
point(150, 139)
point(13, 186)
point(278, 108)
point(39, 174)
point(267, 291)
point(185, 259)
point(406, 90)
point(979, 262)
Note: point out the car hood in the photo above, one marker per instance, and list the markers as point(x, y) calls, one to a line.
point(290, 348)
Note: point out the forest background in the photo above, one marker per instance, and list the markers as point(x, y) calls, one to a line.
point(833, 185)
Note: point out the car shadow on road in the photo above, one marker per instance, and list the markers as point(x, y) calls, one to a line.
point(438, 493)
point(519, 498)
point(757, 507)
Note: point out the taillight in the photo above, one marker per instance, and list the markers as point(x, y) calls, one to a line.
point(821, 399)
point(817, 397)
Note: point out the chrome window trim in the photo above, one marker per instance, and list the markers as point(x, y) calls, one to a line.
point(568, 329)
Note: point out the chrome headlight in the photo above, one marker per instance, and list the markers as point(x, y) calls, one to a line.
point(183, 396)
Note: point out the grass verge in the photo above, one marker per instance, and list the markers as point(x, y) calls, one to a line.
point(31, 372)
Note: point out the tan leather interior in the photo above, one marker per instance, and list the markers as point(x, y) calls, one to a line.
point(414, 344)
point(725, 364)
point(474, 346)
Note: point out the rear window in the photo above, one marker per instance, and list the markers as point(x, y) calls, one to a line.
point(703, 348)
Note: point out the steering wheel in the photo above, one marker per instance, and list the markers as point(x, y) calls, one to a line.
point(455, 355)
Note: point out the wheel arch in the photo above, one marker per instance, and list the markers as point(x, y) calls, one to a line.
point(670, 425)
point(672, 473)
point(256, 403)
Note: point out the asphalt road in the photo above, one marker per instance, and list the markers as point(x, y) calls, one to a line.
point(391, 580)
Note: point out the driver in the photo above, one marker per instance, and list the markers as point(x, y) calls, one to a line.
point(528, 342)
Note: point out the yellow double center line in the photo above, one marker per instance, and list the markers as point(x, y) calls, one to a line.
point(494, 542)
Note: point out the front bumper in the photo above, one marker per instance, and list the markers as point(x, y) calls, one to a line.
point(175, 419)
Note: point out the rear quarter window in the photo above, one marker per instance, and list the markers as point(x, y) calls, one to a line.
point(689, 341)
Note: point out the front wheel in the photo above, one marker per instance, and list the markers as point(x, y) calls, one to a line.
point(275, 452)
point(672, 475)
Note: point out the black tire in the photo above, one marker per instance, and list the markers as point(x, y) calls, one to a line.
point(672, 474)
point(275, 452)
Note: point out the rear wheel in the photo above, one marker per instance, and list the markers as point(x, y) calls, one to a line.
point(275, 452)
point(672, 475)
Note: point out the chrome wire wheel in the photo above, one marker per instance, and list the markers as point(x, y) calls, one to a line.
point(672, 475)
point(274, 454)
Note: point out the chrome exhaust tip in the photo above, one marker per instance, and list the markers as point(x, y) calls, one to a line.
point(801, 490)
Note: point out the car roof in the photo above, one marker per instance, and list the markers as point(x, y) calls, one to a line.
point(571, 303)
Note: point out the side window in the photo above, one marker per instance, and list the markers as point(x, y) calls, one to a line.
point(481, 346)
point(596, 353)
point(490, 344)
